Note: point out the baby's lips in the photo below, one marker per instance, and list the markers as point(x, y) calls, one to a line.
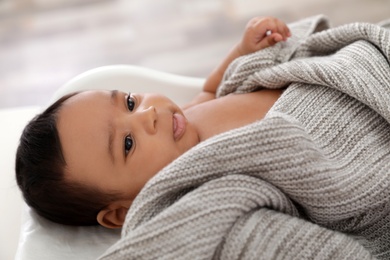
point(179, 126)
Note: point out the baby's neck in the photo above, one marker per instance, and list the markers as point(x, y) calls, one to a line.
point(232, 111)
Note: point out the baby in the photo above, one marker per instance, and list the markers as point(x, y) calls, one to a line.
point(86, 157)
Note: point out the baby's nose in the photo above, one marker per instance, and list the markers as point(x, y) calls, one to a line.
point(148, 119)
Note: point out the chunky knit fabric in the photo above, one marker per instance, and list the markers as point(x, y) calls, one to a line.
point(309, 181)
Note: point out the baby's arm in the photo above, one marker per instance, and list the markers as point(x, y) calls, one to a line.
point(259, 33)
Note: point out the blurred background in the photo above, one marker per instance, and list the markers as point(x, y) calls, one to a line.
point(44, 43)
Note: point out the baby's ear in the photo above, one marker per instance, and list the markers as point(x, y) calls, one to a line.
point(113, 216)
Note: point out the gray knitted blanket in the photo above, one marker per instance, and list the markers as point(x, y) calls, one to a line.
point(309, 181)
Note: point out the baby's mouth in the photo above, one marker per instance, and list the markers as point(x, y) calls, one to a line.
point(179, 126)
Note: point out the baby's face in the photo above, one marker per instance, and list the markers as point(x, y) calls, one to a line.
point(116, 142)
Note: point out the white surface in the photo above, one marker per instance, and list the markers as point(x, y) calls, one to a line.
point(12, 122)
point(44, 240)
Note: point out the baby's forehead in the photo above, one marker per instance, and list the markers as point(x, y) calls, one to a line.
point(87, 95)
point(82, 101)
point(91, 93)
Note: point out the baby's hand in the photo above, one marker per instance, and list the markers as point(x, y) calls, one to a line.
point(261, 33)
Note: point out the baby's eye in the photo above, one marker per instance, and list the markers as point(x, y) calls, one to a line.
point(130, 102)
point(128, 144)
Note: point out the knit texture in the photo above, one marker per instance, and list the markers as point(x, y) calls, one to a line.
point(309, 181)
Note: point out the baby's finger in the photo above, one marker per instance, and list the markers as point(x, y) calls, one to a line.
point(271, 25)
point(277, 26)
point(270, 40)
point(277, 37)
point(286, 32)
point(282, 29)
point(262, 26)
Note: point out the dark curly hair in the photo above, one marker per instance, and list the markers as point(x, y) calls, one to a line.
point(40, 166)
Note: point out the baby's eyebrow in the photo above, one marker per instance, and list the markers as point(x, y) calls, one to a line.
point(113, 99)
point(114, 95)
point(110, 142)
